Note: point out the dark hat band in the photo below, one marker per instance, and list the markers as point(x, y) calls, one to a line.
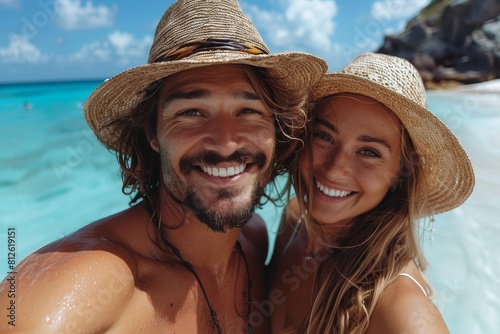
point(209, 44)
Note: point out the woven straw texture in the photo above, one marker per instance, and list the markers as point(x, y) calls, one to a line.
point(188, 21)
point(397, 84)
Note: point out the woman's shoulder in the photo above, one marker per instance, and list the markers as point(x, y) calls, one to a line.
point(292, 232)
point(254, 234)
point(290, 243)
point(405, 307)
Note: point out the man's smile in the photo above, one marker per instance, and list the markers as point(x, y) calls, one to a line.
point(224, 171)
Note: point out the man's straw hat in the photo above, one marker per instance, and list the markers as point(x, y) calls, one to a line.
point(195, 33)
point(394, 82)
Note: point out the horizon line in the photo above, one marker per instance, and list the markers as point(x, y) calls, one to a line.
point(49, 81)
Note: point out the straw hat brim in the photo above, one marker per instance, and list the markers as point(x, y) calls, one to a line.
point(446, 166)
point(119, 94)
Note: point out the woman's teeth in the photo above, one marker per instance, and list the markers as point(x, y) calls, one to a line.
point(331, 192)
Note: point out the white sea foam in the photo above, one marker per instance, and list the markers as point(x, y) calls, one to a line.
point(464, 266)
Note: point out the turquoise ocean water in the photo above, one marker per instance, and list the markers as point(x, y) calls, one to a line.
point(55, 178)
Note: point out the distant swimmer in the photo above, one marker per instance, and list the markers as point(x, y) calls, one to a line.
point(27, 105)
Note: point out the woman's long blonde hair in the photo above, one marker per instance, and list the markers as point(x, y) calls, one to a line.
point(370, 253)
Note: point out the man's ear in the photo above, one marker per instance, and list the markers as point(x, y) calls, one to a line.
point(152, 139)
point(153, 142)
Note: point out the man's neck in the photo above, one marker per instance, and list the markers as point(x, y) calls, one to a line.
point(196, 242)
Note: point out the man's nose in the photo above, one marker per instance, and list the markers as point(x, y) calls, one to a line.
point(224, 135)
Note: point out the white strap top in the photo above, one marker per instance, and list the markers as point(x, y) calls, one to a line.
point(414, 281)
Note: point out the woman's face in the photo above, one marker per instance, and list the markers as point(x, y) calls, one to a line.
point(356, 151)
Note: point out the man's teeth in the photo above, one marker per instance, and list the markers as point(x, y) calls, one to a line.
point(223, 172)
point(332, 192)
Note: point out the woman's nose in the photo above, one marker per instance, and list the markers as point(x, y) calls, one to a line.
point(338, 163)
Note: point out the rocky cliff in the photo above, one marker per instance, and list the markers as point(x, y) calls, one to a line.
point(451, 41)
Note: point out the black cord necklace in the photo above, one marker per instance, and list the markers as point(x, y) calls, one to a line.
point(189, 267)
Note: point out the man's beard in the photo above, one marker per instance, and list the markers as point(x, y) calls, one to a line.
point(221, 215)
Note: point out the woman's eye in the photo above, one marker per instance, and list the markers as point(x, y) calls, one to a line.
point(370, 153)
point(322, 135)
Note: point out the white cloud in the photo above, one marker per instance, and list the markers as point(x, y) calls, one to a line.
point(121, 47)
point(300, 25)
point(20, 50)
point(397, 9)
point(127, 47)
point(10, 3)
point(73, 15)
point(89, 53)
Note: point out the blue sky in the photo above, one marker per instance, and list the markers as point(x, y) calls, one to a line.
point(44, 40)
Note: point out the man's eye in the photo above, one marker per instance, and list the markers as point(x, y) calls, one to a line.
point(190, 112)
point(250, 111)
point(370, 153)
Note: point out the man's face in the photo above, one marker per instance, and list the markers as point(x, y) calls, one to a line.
point(216, 141)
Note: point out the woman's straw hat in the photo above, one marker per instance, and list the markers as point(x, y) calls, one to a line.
point(396, 83)
point(195, 33)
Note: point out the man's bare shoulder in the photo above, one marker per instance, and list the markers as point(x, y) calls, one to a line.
point(80, 281)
